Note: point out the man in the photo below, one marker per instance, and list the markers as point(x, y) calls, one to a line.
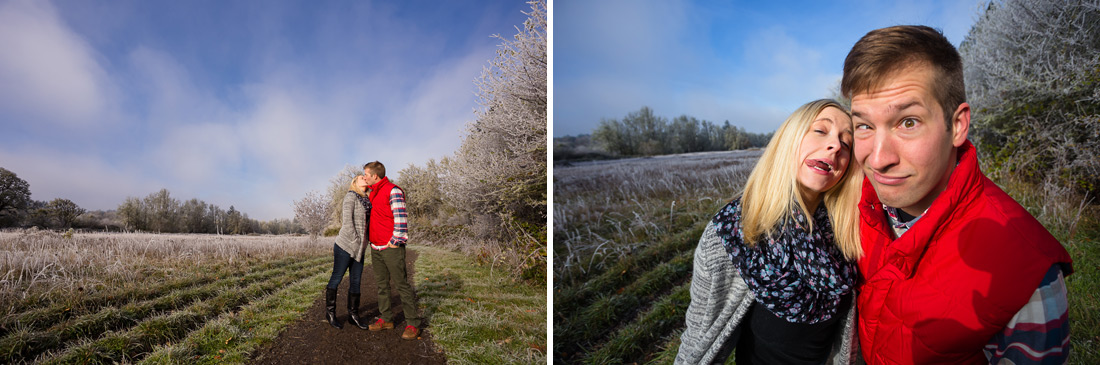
point(388, 233)
point(955, 271)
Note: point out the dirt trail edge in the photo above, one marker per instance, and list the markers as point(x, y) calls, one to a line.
point(311, 340)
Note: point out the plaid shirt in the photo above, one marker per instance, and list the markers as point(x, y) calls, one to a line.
point(400, 217)
point(1039, 333)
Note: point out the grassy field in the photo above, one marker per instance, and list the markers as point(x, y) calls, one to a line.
point(109, 298)
point(624, 237)
point(624, 232)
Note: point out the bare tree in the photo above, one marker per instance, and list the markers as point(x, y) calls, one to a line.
point(313, 212)
point(163, 211)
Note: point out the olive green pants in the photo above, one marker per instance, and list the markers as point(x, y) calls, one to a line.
point(390, 264)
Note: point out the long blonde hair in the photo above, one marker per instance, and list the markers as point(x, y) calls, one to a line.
point(771, 191)
point(355, 187)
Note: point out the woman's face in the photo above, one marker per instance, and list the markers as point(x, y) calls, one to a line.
point(361, 182)
point(825, 151)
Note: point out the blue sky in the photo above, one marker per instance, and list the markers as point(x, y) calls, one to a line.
point(749, 62)
point(243, 103)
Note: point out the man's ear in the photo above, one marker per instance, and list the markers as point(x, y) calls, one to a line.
point(960, 124)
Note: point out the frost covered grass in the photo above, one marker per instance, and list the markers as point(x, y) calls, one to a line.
point(624, 233)
point(604, 209)
point(114, 297)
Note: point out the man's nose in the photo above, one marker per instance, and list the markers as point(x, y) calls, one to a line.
point(883, 154)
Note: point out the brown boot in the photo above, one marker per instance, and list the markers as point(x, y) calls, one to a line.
point(410, 333)
point(380, 324)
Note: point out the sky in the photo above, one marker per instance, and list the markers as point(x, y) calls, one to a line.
point(749, 62)
point(248, 104)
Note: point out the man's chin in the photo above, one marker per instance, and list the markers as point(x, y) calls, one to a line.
point(892, 198)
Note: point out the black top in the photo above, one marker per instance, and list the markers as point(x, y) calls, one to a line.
point(768, 339)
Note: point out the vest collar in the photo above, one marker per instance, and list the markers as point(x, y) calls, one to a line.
point(904, 253)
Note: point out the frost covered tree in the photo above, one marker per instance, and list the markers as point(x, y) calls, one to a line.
point(1032, 70)
point(498, 174)
point(500, 167)
point(313, 212)
point(338, 186)
point(423, 195)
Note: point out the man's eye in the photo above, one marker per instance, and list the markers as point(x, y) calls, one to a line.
point(909, 123)
point(863, 126)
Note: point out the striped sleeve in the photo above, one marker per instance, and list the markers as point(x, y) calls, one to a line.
point(1039, 333)
point(400, 217)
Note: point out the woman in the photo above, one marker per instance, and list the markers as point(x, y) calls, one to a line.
point(772, 281)
point(348, 252)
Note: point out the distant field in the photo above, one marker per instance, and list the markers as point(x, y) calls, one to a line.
point(102, 298)
point(625, 231)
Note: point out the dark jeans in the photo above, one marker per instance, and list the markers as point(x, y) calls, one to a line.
point(389, 265)
point(341, 261)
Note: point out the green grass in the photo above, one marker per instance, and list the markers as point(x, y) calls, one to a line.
point(44, 317)
point(635, 340)
point(473, 317)
point(28, 344)
point(1084, 302)
point(138, 341)
point(476, 318)
point(571, 298)
point(233, 336)
point(610, 310)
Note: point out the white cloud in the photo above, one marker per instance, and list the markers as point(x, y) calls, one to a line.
point(47, 72)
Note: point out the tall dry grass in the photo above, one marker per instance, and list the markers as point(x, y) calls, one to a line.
point(605, 209)
point(39, 268)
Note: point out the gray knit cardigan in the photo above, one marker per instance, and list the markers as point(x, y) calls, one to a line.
point(720, 299)
point(353, 227)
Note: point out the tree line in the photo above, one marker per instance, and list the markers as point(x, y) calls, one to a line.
point(643, 133)
point(158, 212)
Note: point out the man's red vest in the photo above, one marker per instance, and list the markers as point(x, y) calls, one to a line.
point(381, 214)
point(942, 290)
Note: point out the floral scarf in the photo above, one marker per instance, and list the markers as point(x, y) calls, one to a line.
point(800, 276)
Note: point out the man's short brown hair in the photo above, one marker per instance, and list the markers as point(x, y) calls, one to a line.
point(884, 51)
point(376, 168)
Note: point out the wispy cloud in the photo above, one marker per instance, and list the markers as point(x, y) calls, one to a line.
point(246, 111)
point(48, 74)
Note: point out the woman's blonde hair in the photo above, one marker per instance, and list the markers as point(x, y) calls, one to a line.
point(772, 191)
point(355, 187)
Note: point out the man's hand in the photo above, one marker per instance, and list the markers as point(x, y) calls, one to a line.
point(390, 245)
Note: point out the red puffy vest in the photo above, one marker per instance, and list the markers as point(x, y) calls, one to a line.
point(381, 214)
point(942, 290)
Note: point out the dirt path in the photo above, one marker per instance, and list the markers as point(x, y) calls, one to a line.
point(311, 340)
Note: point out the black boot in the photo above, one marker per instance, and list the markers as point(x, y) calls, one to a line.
point(353, 311)
point(330, 307)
